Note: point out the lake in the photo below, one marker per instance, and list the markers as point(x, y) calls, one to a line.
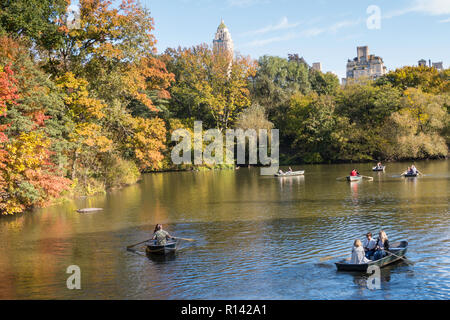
point(258, 237)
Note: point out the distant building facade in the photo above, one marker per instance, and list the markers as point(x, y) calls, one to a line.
point(222, 40)
point(317, 66)
point(365, 65)
point(437, 65)
point(422, 63)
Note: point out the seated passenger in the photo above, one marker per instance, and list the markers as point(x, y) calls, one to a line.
point(358, 256)
point(369, 245)
point(382, 246)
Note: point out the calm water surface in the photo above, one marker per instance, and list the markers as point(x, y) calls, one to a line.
point(257, 237)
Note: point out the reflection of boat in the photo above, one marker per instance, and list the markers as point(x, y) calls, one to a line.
point(290, 174)
point(397, 248)
point(354, 178)
point(167, 248)
point(379, 168)
point(89, 210)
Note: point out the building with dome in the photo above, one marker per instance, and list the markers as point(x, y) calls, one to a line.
point(222, 40)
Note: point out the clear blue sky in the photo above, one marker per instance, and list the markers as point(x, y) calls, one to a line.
point(320, 30)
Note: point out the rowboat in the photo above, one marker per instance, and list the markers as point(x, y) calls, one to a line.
point(410, 175)
point(290, 174)
point(354, 178)
point(379, 168)
point(153, 248)
point(397, 248)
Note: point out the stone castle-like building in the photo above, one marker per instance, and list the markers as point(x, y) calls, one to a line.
point(222, 40)
point(439, 66)
point(364, 66)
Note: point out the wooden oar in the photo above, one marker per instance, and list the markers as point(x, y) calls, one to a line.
point(404, 259)
point(341, 178)
point(184, 239)
point(134, 245)
point(332, 257)
point(370, 178)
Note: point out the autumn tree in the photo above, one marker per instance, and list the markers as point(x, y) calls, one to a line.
point(415, 131)
point(427, 79)
point(28, 176)
point(210, 86)
point(34, 20)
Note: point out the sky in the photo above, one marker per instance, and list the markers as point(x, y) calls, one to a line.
point(326, 31)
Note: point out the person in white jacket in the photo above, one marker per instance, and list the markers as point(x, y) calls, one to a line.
point(358, 254)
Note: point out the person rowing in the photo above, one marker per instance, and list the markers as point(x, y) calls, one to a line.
point(161, 236)
point(354, 173)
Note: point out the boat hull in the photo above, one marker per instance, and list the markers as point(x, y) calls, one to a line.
point(354, 178)
point(290, 174)
point(411, 175)
point(154, 249)
point(398, 248)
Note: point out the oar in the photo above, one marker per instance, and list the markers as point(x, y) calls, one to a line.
point(341, 178)
point(332, 257)
point(370, 178)
point(134, 245)
point(404, 259)
point(184, 239)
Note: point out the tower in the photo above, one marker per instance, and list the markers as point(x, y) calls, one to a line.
point(222, 39)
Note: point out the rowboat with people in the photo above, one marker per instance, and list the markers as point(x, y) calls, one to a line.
point(289, 174)
point(396, 252)
point(411, 172)
point(379, 167)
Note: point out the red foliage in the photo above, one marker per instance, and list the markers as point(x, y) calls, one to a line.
point(8, 89)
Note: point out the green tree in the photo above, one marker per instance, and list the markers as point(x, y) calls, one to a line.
point(427, 79)
point(210, 85)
